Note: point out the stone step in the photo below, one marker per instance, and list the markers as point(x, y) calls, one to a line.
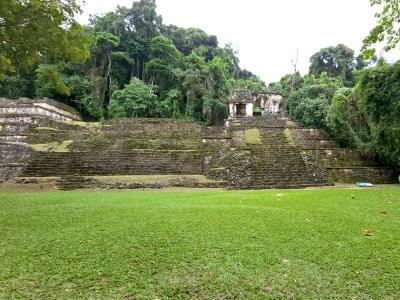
point(115, 163)
point(376, 175)
point(137, 182)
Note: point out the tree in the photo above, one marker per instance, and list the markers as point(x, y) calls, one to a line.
point(335, 61)
point(311, 98)
point(347, 119)
point(216, 90)
point(32, 30)
point(194, 86)
point(366, 116)
point(50, 82)
point(105, 44)
point(288, 84)
point(380, 91)
point(137, 99)
point(312, 112)
point(187, 40)
point(164, 65)
point(142, 24)
point(192, 73)
point(170, 106)
point(387, 30)
point(253, 83)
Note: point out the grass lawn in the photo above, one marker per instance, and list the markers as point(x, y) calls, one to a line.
point(300, 244)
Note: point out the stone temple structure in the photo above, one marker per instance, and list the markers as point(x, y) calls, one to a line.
point(247, 103)
point(44, 144)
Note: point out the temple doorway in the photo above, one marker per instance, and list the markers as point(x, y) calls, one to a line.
point(241, 110)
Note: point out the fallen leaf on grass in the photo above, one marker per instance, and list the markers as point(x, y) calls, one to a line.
point(384, 212)
point(367, 232)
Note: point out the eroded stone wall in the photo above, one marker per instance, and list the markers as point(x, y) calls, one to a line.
point(24, 109)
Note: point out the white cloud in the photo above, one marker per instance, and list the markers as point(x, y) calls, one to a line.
point(267, 33)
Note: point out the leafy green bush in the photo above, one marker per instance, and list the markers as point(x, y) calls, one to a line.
point(137, 99)
point(346, 119)
point(312, 112)
point(309, 103)
point(380, 92)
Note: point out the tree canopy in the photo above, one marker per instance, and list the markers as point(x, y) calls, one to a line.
point(130, 48)
point(32, 30)
point(387, 29)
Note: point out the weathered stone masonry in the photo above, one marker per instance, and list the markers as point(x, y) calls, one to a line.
point(42, 138)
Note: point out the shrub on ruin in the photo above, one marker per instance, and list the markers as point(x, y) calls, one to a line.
point(137, 99)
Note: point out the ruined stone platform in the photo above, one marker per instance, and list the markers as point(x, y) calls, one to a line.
point(39, 141)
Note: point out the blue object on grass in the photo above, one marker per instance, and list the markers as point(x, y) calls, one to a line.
point(364, 184)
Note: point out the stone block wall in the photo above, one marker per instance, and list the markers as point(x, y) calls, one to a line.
point(378, 175)
point(139, 162)
point(117, 147)
point(13, 159)
point(13, 110)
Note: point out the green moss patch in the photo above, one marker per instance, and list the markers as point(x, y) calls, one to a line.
point(52, 147)
point(86, 124)
point(253, 136)
point(289, 137)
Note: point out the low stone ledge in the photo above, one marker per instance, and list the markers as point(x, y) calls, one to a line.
point(377, 175)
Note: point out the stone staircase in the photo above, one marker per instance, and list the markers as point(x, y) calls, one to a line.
point(277, 164)
point(343, 165)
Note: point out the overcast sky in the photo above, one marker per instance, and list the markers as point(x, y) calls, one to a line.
point(266, 33)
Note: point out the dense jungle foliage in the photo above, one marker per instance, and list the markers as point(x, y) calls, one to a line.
point(124, 63)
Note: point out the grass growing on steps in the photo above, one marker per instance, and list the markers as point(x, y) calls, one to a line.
point(86, 124)
point(253, 136)
point(52, 147)
point(289, 137)
point(303, 244)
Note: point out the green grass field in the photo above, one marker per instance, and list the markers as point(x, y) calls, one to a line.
point(300, 244)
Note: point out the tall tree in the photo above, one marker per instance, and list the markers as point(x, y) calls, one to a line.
point(164, 65)
point(142, 24)
point(105, 44)
point(334, 61)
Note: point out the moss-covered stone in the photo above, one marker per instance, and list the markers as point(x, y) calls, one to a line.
point(253, 136)
point(60, 147)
